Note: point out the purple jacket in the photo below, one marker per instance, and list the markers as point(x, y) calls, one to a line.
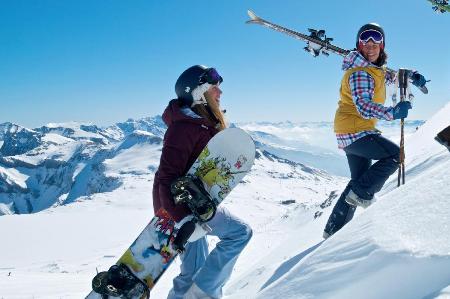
point(185, 138)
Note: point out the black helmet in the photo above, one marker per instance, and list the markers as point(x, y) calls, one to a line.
point(369, 26)
point(192, 78)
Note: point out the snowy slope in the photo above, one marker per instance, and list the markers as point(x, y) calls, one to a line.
point(401, 245)
point(70, 241)
point(398, 248)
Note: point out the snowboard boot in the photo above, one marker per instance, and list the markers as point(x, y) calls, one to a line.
point(355, 200)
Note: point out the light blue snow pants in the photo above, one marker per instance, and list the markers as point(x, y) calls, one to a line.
point(211, 271)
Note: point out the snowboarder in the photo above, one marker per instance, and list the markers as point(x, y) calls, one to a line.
point(193, 119)
point(361, 104)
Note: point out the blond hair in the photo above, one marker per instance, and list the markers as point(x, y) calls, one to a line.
point(212, 112)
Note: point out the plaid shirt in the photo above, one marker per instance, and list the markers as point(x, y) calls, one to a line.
point(362, 87)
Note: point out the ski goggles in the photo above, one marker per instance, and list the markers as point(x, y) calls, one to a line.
point(371, 34)
point(210, 76)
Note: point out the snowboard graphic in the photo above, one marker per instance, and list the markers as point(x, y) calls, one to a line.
point(222, 164)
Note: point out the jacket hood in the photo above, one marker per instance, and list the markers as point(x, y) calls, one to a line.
point(174, 113)
point(355, 59)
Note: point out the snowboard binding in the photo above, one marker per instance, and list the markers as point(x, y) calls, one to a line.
point(119, 282)
point(189, 190)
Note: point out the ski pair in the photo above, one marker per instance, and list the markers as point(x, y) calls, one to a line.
point(316, 42)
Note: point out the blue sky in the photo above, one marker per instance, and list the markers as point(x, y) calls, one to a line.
point(107, 61)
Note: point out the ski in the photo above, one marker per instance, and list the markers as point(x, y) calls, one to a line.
point(440, 6)
point(316, 42)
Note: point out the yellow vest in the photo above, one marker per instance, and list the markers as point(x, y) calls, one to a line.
point(347, 118)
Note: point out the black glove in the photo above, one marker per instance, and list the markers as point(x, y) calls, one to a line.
point(189, 231)
point(417, 79)
point(183, 235)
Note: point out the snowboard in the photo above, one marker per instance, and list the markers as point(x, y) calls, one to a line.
point(221, 165)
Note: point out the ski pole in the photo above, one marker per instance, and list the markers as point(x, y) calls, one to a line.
point(403, 85)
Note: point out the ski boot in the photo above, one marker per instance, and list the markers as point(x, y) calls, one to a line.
point(354, 200)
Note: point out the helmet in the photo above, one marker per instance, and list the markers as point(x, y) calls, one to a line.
point(373, 26)
point(193, 82)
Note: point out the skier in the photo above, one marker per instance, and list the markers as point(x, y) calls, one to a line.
point(361, 104)
point(193, 119)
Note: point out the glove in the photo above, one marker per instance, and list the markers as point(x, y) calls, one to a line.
point(417, 79)
point(189, 231)
point(401, 110)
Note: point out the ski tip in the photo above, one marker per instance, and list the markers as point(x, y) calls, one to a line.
point(252, 14)
point(253, 17)
point(424, 89)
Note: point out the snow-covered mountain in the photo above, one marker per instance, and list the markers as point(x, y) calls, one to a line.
point(17, 140)
point(400, 244)
point(57, 163)
point(313, 143)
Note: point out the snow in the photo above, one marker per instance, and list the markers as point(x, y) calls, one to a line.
point(398, 248)
point(132, 161)
point(75, 126)
point(400, 245)
point(53, 147)
point(12, 176)
point(395, 243)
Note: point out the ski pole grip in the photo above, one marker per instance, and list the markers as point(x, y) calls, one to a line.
point(403, 82)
